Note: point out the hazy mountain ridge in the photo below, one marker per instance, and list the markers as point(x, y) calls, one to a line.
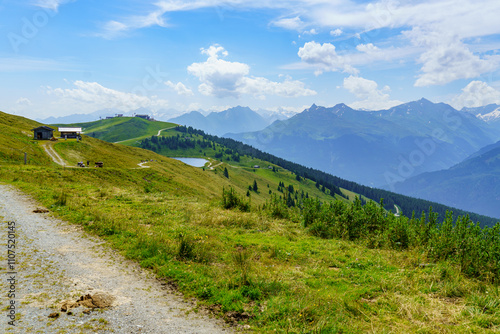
point(235, 120)
point(473, 184)
point(376, 148)
point(481, 110)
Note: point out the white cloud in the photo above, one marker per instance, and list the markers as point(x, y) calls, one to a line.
point(179, 88)
point(114, 28)
point(368, 48)
point(222, 78)
point(447, 58)
point(293, 23)
point(92, 96)
point(218, 77)
point(370, 97)
point(476, 94)
point(336, 32)
point(324, 58)
point(310, 32)
point(24, 102)
point(260, 87)
point(50, 4)
point(21, 64)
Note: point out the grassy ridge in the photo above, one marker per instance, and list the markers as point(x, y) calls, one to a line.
point(16, 138)
point(271, 273)
point(121, 128)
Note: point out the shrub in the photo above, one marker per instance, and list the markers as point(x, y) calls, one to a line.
point(231, 200)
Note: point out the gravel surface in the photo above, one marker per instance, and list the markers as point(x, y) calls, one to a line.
point(57, 263)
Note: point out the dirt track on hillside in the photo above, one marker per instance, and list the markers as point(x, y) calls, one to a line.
point(53, 154)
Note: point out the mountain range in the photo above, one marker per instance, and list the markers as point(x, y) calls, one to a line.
point(473, 184)
point(376, 148)
point(237, 119)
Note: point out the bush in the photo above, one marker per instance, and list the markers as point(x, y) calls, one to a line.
point(230, 200)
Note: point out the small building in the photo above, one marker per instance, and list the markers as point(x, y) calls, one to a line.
point(70, 132)
point(119, 115)
point(146, 117)
point(43, 132)
point(256, 166)
point(109, 117)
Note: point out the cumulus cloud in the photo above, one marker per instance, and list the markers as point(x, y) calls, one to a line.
point(370, 97)
point(95, 96)
point(368, 48)
point(222, 78)
point(219, 77)
point(336, 32)
point(310, 32)
point(179, 88)
point(24, 102)
point(324, 58)
point(292, 23)
point(447, 58)
point(476, 94)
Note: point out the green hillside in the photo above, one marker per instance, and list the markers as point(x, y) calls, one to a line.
point(16, 138)
point(336, 267)
point(121, 128)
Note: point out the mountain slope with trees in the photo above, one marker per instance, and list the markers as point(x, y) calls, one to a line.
point(473, 184)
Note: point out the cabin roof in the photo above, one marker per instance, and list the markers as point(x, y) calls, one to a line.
point(70, 129)
point(44, 127)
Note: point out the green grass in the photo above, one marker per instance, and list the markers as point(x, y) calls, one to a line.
point(16, 138)
point(273, 273)
point(121, 128)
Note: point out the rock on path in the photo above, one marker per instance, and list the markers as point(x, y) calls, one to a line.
point(58, 263)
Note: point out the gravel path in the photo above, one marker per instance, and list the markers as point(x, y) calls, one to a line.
point(56, 261)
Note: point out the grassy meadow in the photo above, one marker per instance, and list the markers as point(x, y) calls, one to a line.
point(120, 128)
point(273, 268)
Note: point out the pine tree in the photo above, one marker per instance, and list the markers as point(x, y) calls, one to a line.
point(255, 188)
point(226, 173)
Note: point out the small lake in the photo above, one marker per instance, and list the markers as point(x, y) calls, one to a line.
point(195, 162)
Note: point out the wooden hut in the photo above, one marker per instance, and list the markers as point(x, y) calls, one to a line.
point(43, 133)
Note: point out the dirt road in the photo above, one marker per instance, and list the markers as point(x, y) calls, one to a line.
point(54, 262)
point(48, 147)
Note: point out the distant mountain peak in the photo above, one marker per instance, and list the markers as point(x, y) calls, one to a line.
point(492, 116)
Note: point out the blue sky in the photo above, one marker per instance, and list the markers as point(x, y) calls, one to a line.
point(59, 57)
